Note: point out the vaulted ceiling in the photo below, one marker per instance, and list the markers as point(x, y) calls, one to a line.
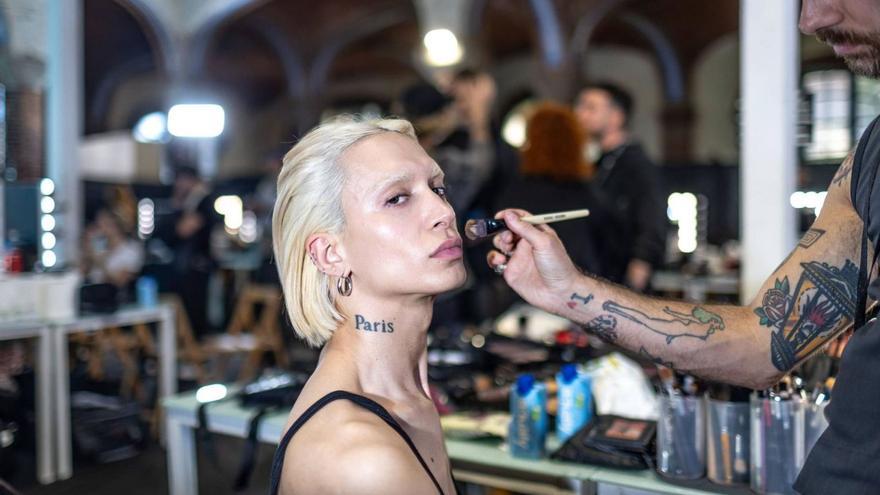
point(278, 48)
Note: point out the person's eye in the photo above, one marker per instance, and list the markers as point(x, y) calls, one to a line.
point(397, 199)
point(440, 191)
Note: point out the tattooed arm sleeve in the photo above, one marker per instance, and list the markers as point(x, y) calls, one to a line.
point(808, 301)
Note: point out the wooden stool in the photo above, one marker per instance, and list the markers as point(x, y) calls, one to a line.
point(249, 335)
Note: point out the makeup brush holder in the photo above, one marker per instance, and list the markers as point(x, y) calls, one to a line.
point(777, 444)
point(681, 446)
point(727, 442)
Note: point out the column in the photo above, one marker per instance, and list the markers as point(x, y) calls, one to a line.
point(769, 84)
point(64, 121)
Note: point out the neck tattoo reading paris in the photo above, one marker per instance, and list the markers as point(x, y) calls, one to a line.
point(361, 323)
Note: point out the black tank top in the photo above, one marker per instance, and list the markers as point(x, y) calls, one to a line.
point(369, 405)
point(846, 459)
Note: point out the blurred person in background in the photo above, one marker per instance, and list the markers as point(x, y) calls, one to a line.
point(627, 186)
point(554, 176)
point(261, 203)
point(187, 232)
point(455, 130)
point(110, 254)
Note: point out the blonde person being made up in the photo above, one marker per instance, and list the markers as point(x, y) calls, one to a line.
point(364, 240)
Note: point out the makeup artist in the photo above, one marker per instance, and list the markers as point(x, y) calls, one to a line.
point(365, 240)
point(817, 292)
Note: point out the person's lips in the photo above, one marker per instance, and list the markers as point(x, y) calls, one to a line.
point(848, 49)
point(451, 249)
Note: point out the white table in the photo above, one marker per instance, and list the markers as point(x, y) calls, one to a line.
point(125, 316)
point(478, 462)
point(45, 434)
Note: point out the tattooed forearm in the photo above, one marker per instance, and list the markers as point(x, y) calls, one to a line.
point(704, 321)
point(654, 359)
point(604, 327)
point(821, 305)
point(577, 297)
point(361, 323)
point(806, 241)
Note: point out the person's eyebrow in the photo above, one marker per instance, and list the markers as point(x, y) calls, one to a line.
point(389, 182)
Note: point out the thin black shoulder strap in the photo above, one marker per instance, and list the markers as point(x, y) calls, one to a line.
point(364, 402)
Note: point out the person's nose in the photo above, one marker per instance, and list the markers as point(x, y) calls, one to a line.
point(818, 14)
point(442, 214)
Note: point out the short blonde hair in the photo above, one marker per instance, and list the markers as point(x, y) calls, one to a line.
point(310, 201)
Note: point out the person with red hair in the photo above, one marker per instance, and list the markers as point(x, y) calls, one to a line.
point(554, 176)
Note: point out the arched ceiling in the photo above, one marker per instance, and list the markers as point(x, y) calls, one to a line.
point(280, 48)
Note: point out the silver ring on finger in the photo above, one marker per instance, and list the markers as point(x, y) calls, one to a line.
point(499, 268)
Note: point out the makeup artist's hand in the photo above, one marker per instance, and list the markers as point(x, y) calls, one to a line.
point(538, 268)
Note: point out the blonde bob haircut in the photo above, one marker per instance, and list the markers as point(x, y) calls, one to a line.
point(309, 202)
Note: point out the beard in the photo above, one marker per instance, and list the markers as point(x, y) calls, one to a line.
point(867, 61)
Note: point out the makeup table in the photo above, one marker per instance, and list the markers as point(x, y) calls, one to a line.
point(126, 316)
point(480, 462)
point(45, 428)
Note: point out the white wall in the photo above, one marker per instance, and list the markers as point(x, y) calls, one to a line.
point(714, 91)
point(634, 71)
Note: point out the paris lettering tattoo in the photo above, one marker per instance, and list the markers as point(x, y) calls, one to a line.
point(699, 324)
point(361, 323)
point(604, 327)
point(572, 302)
point(803, 318)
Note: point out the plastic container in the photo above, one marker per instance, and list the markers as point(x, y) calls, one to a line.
point(528, 418)
point(147, 292)
point(727, 442)
point(681, 446)
point(575, 402)
point(777, 444)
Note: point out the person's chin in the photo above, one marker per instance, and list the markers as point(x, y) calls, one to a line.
point(864, 65)
point(456, 279)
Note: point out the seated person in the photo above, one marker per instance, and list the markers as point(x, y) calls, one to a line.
point(364, 240)
point(109, 254)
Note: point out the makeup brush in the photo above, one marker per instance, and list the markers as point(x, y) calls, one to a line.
point(479, 228)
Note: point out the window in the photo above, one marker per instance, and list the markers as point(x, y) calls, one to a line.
point(840, 107)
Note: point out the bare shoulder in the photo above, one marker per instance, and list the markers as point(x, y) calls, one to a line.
point(346, 449)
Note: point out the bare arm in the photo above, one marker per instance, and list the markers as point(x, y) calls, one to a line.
point(805, 303)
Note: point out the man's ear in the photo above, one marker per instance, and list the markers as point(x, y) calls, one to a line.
point(326, 253)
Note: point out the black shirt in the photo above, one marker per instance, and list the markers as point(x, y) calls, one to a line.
point(628, 190)
point(846, 459)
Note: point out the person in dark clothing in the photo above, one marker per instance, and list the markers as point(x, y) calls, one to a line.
point(457, 131)
point(187, 232)
point(627, 186)
point(554, 177)
point(816, 294)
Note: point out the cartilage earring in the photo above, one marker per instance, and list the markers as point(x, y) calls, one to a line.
point(344, 285)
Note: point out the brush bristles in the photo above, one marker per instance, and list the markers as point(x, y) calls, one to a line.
point(475, 229)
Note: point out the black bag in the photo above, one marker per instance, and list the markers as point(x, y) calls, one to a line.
point(98, 298)
point(612, 441)
point(271, 392)
point(106, 429)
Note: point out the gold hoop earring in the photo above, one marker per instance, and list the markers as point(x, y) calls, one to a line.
point(344, 285)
